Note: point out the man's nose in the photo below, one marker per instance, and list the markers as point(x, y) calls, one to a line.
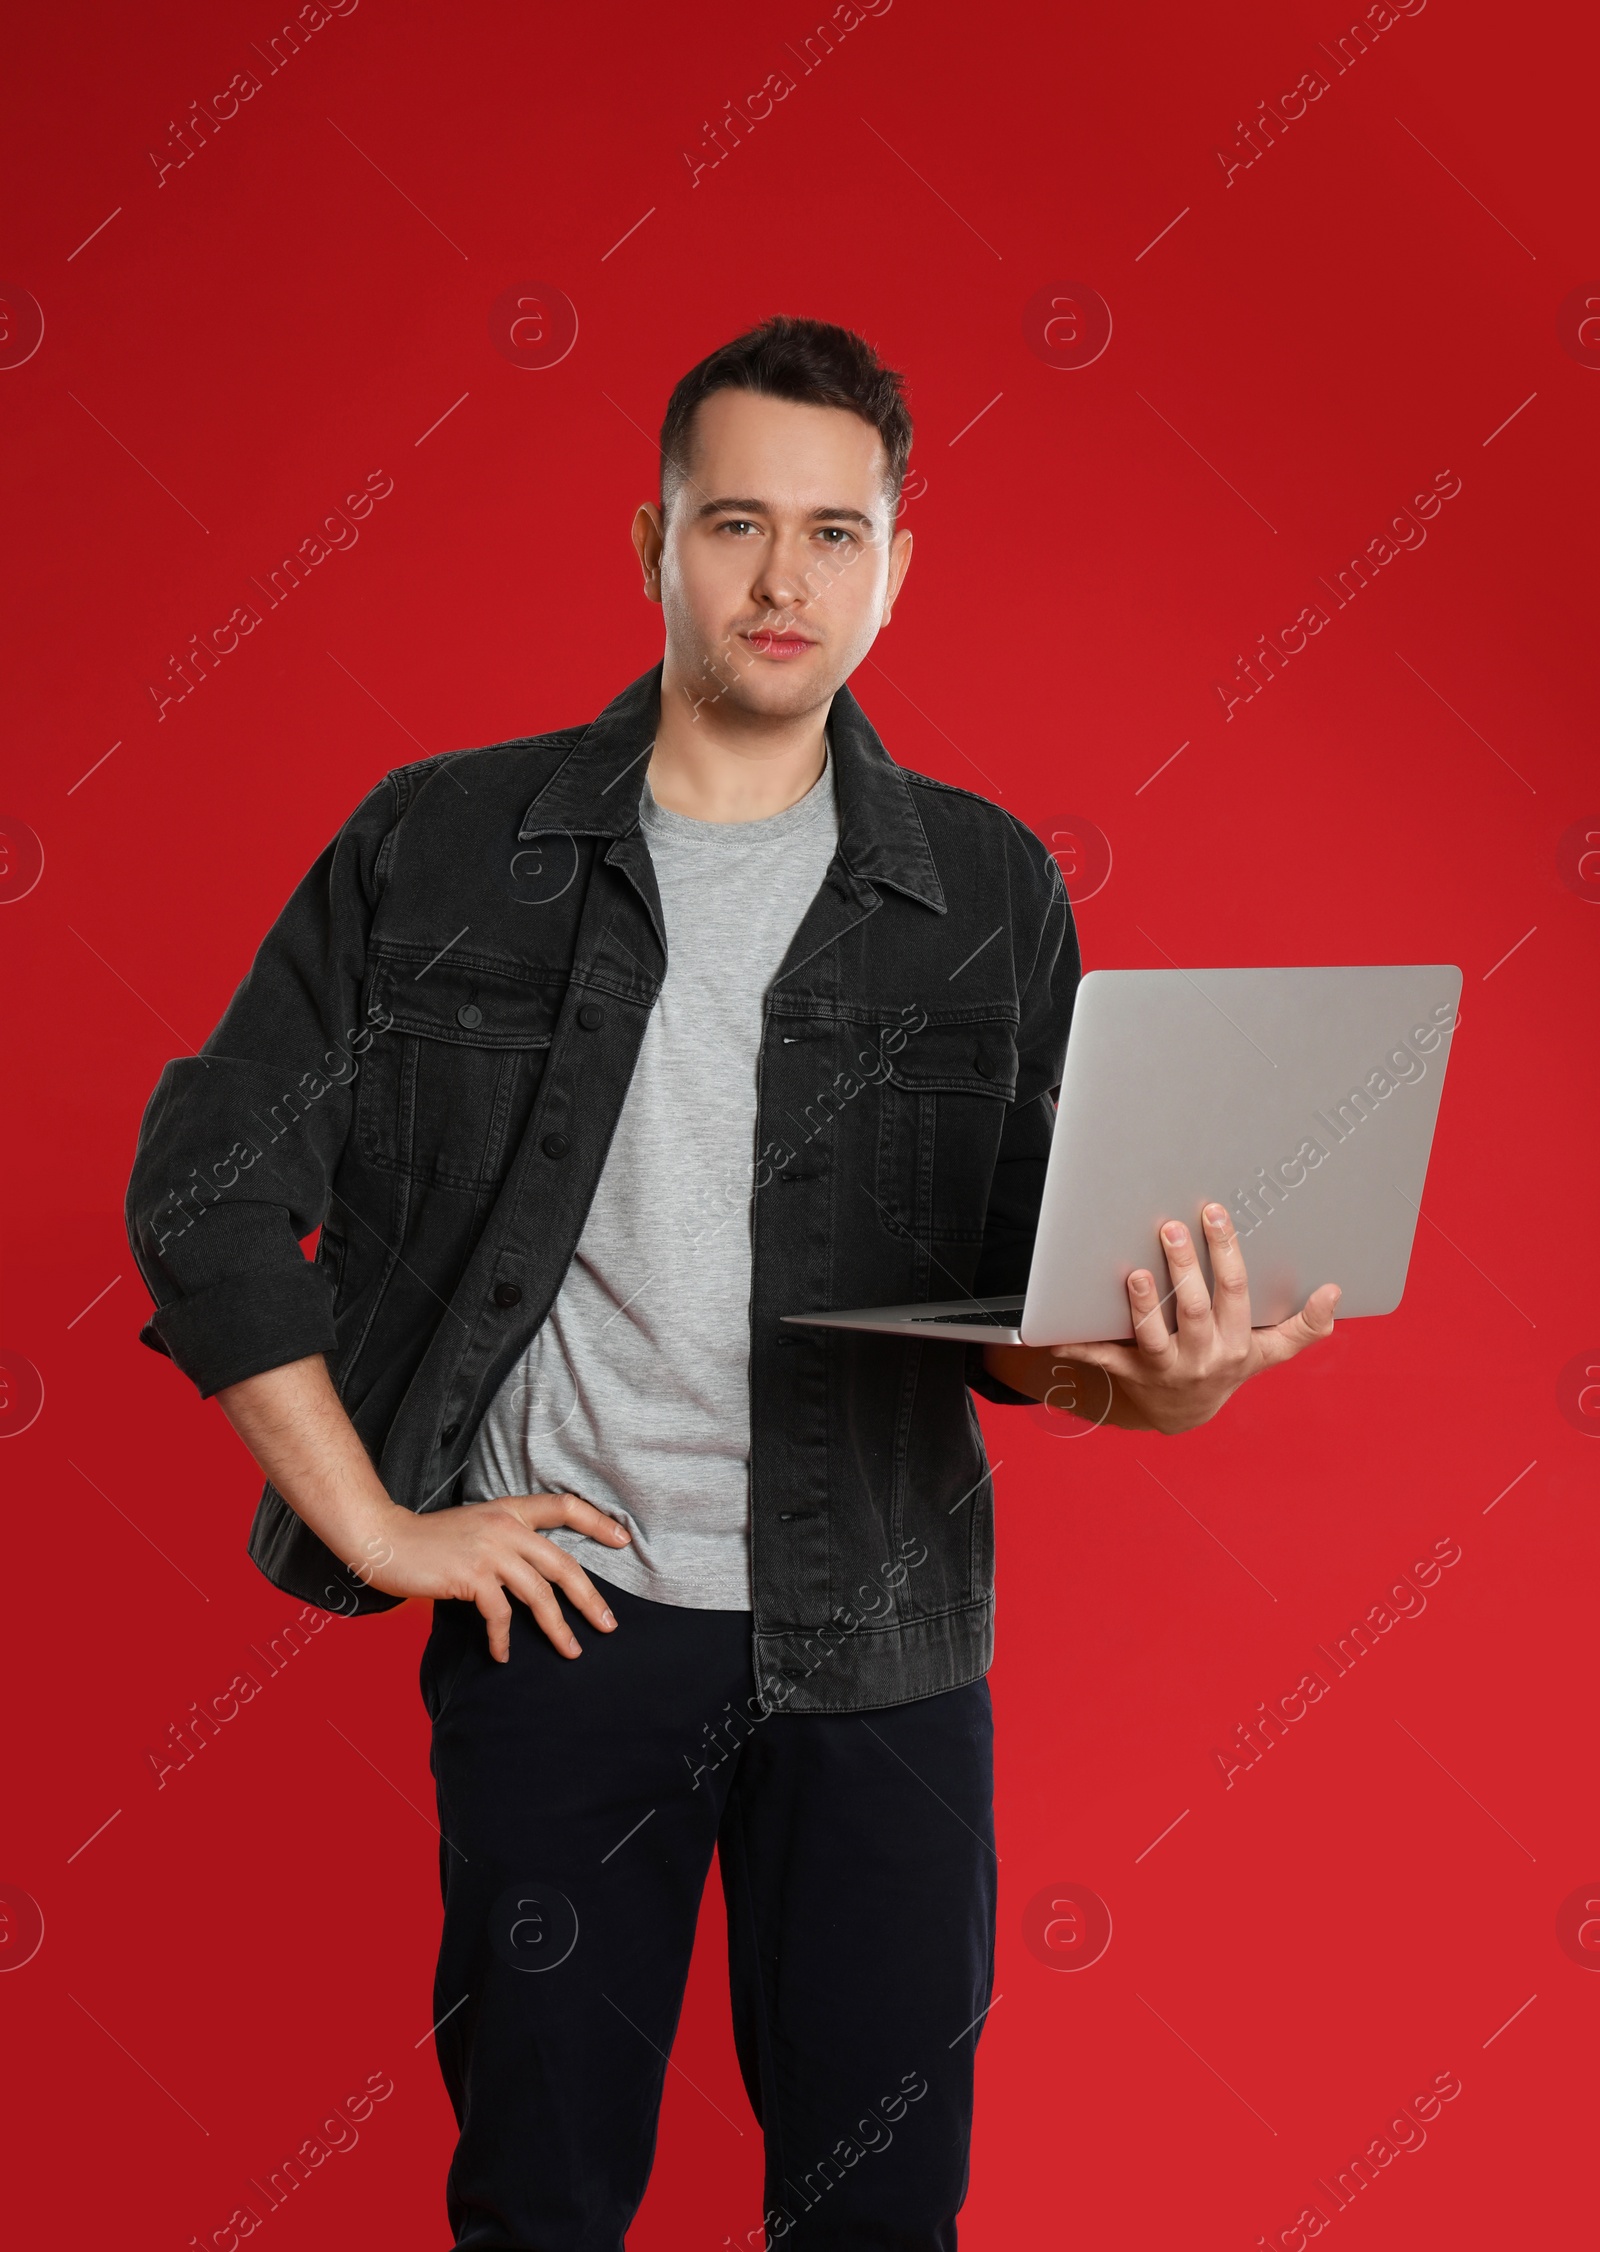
point(780, 584)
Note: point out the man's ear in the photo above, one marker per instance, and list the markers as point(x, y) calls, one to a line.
point(649, 538)
point(899, 564)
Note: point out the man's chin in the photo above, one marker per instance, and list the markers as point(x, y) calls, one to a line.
point(762, 688)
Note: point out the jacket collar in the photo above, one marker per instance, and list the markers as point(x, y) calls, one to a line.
point(595, 790)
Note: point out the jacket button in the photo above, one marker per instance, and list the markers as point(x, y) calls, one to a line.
point(450, 1431)
point(591, 1016)
point(983, 1067)
point(507, 1294)
point(469, 1014)
point(555, 1145)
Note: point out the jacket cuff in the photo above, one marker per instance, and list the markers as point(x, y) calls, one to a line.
point(246, 1324)
point(990, 1387)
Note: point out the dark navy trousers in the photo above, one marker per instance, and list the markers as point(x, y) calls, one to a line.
point(580, 1801)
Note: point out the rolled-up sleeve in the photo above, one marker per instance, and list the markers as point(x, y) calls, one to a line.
point(238, 1144)
point(1045, 1019)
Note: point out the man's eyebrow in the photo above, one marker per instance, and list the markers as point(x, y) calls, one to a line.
point(747, 507)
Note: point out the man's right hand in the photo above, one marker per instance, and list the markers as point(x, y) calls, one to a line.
point(483, 1552)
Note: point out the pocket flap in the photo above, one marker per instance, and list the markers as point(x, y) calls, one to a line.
point(470, 1003)
point(975, 1057)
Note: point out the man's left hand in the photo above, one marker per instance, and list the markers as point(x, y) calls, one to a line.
point(1164, 1382)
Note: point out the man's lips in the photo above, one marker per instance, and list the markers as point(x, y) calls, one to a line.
point(769, 644)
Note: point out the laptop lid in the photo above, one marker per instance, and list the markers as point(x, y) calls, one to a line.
point(1303, 1099)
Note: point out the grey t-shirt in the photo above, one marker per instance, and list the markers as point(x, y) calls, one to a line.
point(635, 1393)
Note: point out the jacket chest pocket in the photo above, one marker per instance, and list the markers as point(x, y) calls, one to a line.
point(943, 1106)
point(446, 1089)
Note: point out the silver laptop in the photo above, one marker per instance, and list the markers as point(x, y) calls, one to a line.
point(1304, 1100)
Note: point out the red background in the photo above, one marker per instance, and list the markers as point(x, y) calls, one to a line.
point(1301, 353)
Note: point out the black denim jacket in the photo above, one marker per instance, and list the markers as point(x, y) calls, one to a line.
point(427, 1059)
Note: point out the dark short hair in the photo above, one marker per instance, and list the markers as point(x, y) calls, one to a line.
point(813, 362)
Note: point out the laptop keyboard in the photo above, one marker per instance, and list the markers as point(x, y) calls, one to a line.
point(1001, 1318)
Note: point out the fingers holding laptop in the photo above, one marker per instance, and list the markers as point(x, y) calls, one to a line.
point(1171, 1382)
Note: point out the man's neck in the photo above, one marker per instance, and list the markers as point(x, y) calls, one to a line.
point(716, 763)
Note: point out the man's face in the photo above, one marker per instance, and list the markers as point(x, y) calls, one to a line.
point(779, 561)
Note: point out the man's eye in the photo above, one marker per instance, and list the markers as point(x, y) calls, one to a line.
point(736, 524)
point(835, 533)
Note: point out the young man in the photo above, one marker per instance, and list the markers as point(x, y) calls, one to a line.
point(593, 1054)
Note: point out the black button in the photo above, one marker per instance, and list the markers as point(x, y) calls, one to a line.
point(983, 1067)
point(555, 1145)
point(469, 1014)
point(450, 1431)
point(507, 1294)
point(591, 1016)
